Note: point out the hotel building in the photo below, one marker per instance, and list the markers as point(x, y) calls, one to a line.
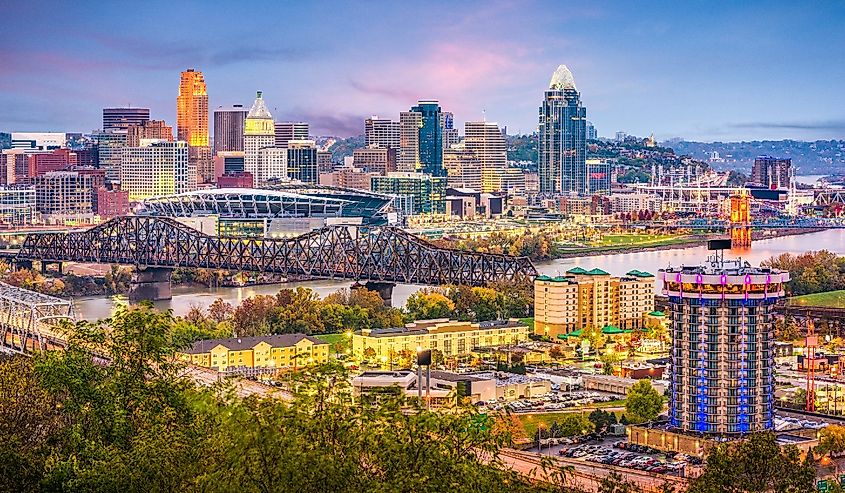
point(722, 360)
point(591, 298)
point(449, 337)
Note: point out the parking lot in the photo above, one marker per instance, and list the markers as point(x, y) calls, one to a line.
point(619, 453)
point(553, 401)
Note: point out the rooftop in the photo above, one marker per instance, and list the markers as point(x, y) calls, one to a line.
point(243, 343)
point(562, 79)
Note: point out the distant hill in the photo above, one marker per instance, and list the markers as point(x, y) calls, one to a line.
point(819, 157)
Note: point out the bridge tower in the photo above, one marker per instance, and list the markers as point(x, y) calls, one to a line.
point(740, 221)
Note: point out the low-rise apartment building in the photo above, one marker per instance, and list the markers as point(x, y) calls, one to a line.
point(272, 351)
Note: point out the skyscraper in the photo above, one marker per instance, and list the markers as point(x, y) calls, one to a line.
point(110, 144)
point(121, 118)
point(592, 134)
point(408, 159)
point(430, 138)
point(151, 129)
point(772, 172)
point(229, 128)
point(463, 168)
point(157, 168)
point(192, 122)
point(286, 131)
point(382, 132)
point(485, 140)
point(259, 133)
point(302, 161)
point(722, 322)
point(563, 143)
point(450, 133)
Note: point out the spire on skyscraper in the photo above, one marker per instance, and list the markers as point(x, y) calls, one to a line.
point(259, 109)
point(562, 79)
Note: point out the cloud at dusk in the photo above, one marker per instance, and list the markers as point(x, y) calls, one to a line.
point(671, 70)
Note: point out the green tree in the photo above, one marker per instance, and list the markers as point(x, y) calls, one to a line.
point(602, 419)
point(758, 464)
point(831, 440)
point(613, 483)
point(426, 304)
point(574, 424)
point(643, 402)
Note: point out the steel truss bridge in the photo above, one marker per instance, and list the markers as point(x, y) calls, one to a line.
point(29, 321)
point(361, 253)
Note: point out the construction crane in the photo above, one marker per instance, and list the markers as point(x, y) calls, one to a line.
point(811, 343)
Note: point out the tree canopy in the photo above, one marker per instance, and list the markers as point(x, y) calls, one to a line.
point(643, 403)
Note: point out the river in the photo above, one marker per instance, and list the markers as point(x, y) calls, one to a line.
point(184, 297)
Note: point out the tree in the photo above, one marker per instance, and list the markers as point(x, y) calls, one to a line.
point(832, 440)
point(574, 424)
point(252, 316)
point(219, 310)
point(602, 419)
point(613, 483)
point(426, 304)
point(609, 360)
point(757, 464)
point(369, 353)
point(556, 352)
point(643, 402)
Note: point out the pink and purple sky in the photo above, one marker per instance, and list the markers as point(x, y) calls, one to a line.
point(701, 70)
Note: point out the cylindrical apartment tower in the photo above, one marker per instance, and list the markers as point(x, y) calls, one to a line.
point(722, 356)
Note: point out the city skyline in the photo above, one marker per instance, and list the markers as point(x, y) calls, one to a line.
point(702, 75)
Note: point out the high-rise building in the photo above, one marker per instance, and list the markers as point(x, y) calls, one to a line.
point(302, 161)
point(450, 133)
point(382, 132)
point(151, 129)
point(485, 140)
point(273, 163)
point(348, 177)
point(423, 194)
point(287, 131)
point(463, 168)
point(563, 145)
point(192, 122)
point(772, 172)
point(599, 176)
point(47, 161)
point(44, 141)
point(259, 133)
point(110, 145)
point(591, 132)
point(122, 118)
point(722, 325)
point(408, 160)
point(66, 193)
point(324, 162)
point(5, 141)
point(229, 128)
point(430, 138)
point(375, 158)
point(157, 168)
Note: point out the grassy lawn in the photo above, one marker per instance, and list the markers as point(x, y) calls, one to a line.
point(531, 421)
point(831, 299)
point(334, 340)
point(621, 240)
point(529, 321)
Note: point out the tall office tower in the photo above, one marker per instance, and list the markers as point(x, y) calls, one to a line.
point(450, 133)
point(121, 118)
point(485, 140)
point(772, 172)
point(259, 133)
point(408, 160)
point(229, 128)
point(430, 138)
point(192, 122)
point(110, 144)
point(157, 168)
point(302, 161)
point(273, 163)
point(375, 158)
point(722, 322)
point(463, 168)
point(152, 129)
point(591, 132)
point(563, 144)
point(419, 193)
point(286, 131)
point(382, 132)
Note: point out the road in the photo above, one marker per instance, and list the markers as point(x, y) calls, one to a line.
point(585, 475)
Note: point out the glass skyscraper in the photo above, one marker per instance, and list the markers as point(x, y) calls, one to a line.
point(431, 138)
point(563, 138)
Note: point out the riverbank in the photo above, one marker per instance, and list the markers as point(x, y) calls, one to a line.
point(681, 243)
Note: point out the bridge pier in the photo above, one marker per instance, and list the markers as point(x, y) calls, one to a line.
point(384, 289)
point(150, 284)
point(45, 265)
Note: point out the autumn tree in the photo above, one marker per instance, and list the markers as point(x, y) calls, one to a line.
point(428, 304)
